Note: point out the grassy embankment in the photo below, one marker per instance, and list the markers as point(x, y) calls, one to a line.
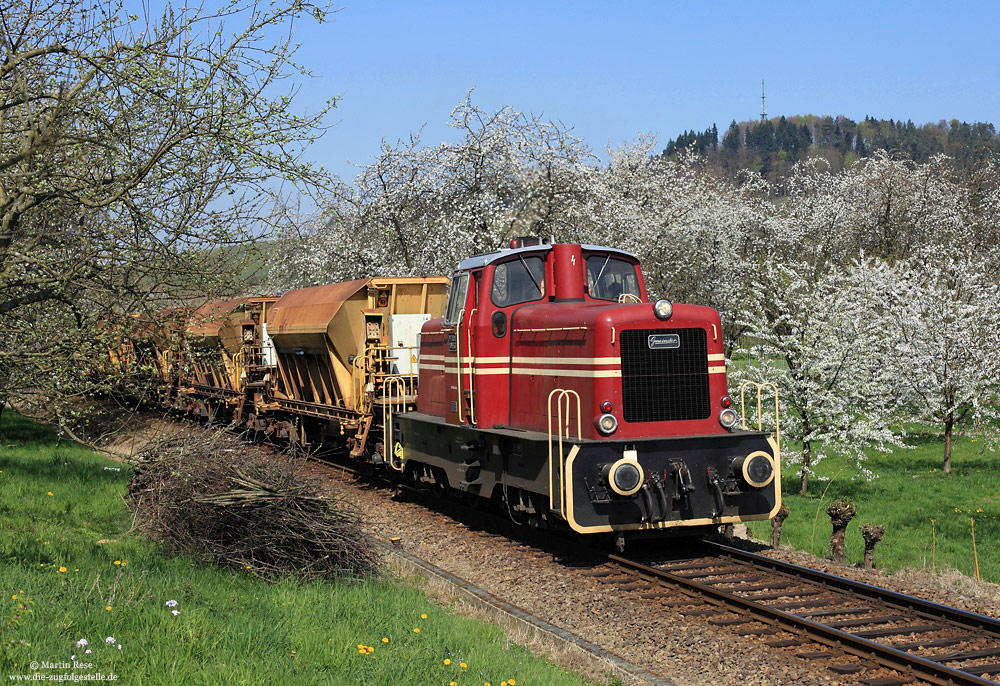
point(69, 570)
point(909, 492)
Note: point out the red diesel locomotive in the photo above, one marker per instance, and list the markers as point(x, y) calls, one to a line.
point(553, 385)
point(546, 382)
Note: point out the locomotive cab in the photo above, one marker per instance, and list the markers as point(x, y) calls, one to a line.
point(554, 385)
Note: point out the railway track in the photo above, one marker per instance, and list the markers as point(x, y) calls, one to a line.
point(858, 631)
point(882, 637)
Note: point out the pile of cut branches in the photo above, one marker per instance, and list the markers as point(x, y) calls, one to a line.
point(210, 495)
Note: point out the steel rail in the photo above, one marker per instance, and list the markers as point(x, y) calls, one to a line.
point(926, 608)
point(885, 656)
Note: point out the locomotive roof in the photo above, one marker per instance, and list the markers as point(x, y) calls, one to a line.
point(483, 260)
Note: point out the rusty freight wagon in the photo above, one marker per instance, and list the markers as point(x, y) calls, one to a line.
point(223, 340)
point(345, 360)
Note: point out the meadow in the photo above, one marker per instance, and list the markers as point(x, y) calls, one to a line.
point(83, 594)
point(909, 491)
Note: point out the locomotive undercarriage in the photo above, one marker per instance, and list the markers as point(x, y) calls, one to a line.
point(692, 481)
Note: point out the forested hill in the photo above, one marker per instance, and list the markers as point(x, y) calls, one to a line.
point(772, 146)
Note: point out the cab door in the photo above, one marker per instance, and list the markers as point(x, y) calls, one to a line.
point(460, 352)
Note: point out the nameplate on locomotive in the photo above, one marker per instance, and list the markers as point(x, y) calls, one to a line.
point(663, 341)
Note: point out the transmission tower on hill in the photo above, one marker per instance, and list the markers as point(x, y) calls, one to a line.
point(763, 112)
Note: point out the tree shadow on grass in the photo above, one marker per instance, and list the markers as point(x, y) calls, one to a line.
point(18, 429)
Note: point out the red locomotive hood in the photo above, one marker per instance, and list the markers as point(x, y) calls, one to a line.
point(592, 314)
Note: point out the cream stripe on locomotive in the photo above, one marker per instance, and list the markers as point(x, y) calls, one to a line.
point(537, 371)
point(450, 365)
point(527, 360)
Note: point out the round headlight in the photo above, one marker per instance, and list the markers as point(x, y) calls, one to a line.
point(625, 477)
point(728, 418)
point(756, 468)
point(663, 309)
point(607, 424)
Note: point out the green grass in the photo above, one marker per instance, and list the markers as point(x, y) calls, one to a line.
point(232, 628)
point(909, 492)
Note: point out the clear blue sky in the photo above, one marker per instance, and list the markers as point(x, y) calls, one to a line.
point(612, 70)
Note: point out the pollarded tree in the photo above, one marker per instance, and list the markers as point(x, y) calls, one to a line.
point(138, 158)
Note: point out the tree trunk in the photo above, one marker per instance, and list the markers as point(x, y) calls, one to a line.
point(872, 534)
point(841, 513)
point(776, 523)
point(949, 425)
point(806, 459)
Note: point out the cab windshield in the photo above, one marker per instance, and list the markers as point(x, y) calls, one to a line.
point(611, 278)
point(518, 281)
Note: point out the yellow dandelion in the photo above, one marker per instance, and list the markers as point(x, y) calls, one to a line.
point(62, 569)
point(108, 608)
point(76, 569)
point(50, 492)
point(118, 562)
point(38, 539)
point(249, 567)
point(293, 652)
point(423, 616)
point(14, 597)
point(45, 542)
point(463, 665)
point(447, 661)
point(416, 629)
point(42, 564)
point(385, 640)
point(124, 562)
point(486, 683)
point(452, 683)
point(511, 682)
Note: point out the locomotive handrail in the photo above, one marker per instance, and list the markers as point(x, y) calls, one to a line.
point(472, 373)
point(760, 407)
point(458, 365)
point(398, 385)
point(563, 394)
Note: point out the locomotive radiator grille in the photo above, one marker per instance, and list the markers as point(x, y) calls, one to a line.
point(664, 383)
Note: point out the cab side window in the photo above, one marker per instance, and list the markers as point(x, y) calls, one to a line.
point(518, 281)
point(456, 298)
